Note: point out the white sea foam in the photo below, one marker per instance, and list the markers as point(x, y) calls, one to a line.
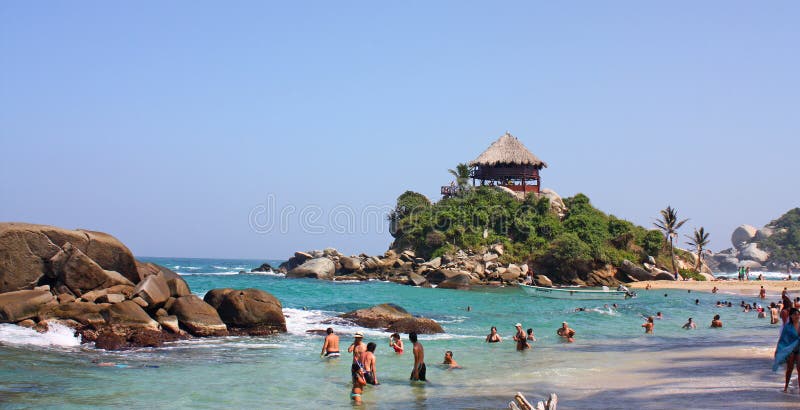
point(233, 272)
point(57, 335)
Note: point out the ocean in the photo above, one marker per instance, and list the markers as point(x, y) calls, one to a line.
point(611, 353)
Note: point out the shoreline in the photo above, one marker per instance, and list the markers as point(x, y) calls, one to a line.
point(727, 286)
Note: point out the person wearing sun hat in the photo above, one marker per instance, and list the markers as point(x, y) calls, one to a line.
point(521, 338)
point(565, 332)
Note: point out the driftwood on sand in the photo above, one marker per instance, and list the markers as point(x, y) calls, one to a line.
point(521, 403)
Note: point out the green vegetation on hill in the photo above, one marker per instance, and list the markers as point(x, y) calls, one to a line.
point(784, 244)
point(585, 239)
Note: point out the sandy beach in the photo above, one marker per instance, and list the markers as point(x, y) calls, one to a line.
point(727, 286)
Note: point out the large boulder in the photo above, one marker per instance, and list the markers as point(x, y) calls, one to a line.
point(22, 304)
point(440, 275)
point(753, 253)
point(350, 263)
point(415, 279)
point(317, 268)
point(177, 285)
point(512, 273)
point(764, 233)
point(386, 315)
point(198, 317)
point(556, 203)
point(82, 274)
point(264, 268)
point(742, 235)
point(460, 281)
point(153, 289)
point(84, 313)
point(603, 277)
point(26, 249)
point(542, 280)
point(128, 315)
point(250, 308)
point(728, 263)
point(635, 271)
point(753, 265)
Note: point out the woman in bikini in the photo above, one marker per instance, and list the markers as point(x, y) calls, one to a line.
point(396, 343)
point(493, 337)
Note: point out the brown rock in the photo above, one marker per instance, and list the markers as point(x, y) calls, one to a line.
point(128, 314)
point(318, 268)
point(153, 289)
point(65, 298)
point(161, 312)
point(29, 323)
point(168, 304)
point(603, 277)
point(198, 317)
point(84, 313)
point(250, 308)
point(126, 290)
point(170, 323)
point(461, 281)
point(422, 326)
point(350, 264)
point(214, 296)
point(22, 304)
point(416, 279)
point(111, 298)
point(27, 250)
point(385, 315)
point(440, 275)
point(93, 295)
point(141, 302)
point(82, 274)
point(542, 280)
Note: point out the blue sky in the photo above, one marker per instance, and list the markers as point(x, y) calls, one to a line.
point(173, 124)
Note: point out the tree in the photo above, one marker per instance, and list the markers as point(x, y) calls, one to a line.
point(699, 241)
point(461, 174)
point(669, 225)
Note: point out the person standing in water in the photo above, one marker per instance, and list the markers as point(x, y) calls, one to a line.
point(395, 343)
point(331, 346)
point(493, 337)
point(716, 323)
point(521, 338)
point(649, 325)
point(690, 324)
point(369, 360)
point(566, 333)
point(762, 293)
point(418, 372)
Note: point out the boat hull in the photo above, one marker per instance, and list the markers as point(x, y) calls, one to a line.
point(577, 294)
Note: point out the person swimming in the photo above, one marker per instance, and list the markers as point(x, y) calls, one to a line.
point(448, 360)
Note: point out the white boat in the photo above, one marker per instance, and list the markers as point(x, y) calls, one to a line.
point(576, 293)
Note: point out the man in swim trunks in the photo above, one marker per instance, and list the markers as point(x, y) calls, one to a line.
point(565, 332)
point(418, 372)
point(370, 371)
point(331, 346)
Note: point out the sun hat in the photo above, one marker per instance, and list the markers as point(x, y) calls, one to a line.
point(518, 325)
point(359, 334)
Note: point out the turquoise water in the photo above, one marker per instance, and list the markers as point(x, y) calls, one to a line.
point(285, 371)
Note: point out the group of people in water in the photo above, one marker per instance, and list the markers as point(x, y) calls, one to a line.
point(363, 370)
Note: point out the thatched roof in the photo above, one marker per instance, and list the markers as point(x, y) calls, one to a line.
point(507, 150)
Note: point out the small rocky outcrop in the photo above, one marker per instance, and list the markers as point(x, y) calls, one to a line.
point(392, 318)
point(264, 268)
point(23, 304)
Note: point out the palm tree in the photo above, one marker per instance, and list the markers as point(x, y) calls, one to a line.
point(669, 224)
point(699, 241)
point(461, 173)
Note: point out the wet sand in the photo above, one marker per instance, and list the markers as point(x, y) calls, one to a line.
point(727, 286)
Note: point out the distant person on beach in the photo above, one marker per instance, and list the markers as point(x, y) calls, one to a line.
point(531, 337)
point(368, 360)
point(521, 338)
point(649, 325)
point(330, 348)
point(716, 322)
point(714, 289)
point(566, 333)
point(762, 293)
point(418, 372)
point(788, 348)
point(493, 337)
point(395, 343)
point(448, 360)
point(690, 324)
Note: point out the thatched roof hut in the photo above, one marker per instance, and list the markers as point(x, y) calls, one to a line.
point(508, 163)
point(510, 151)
